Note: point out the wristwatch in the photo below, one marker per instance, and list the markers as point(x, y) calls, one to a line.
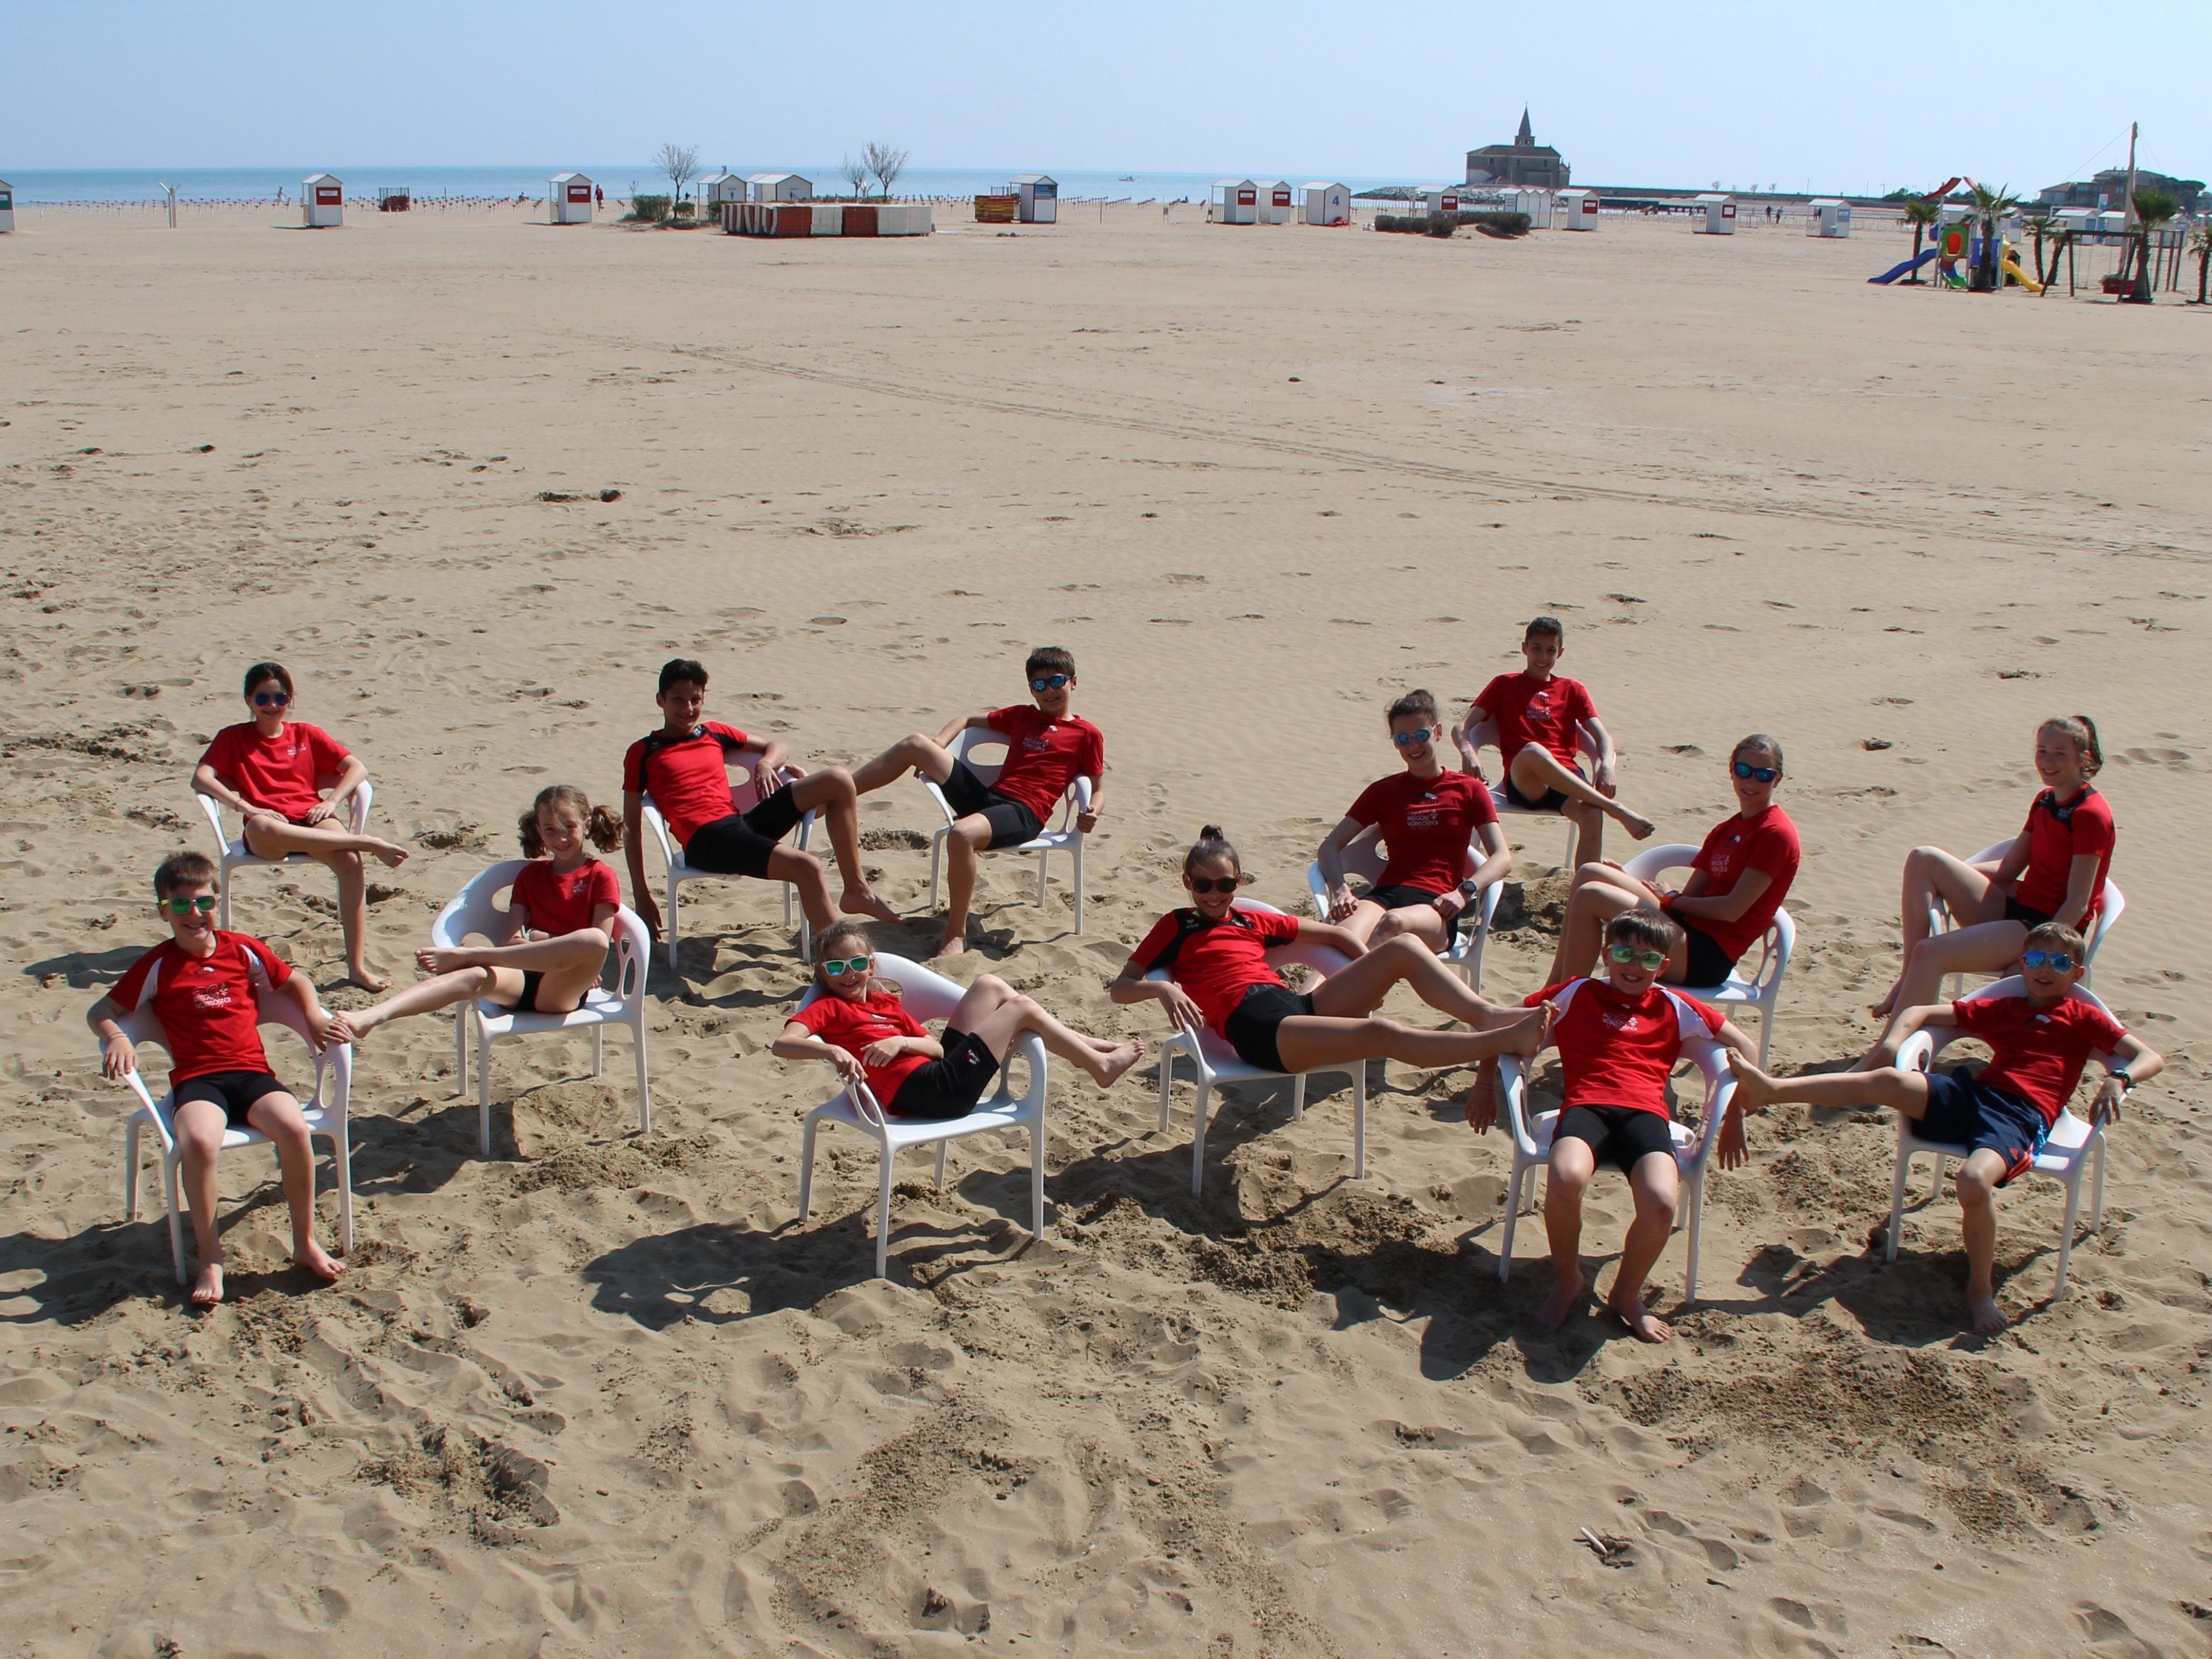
point(1469, 888)
point(2120, 1076)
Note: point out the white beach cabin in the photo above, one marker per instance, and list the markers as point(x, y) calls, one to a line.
point(1576, 210)
point(7, 206)
point(1830, 216)
point(1036, 198)
point(1536, 204)
point(2110, 223)
point(1233, 201)
point(568, 195)
point(2074, 221)
point(1439, 199)
point(322, 201)
point(1277, 204)
point(781, 187)
point(1719, 213)
point(1324, 202)
point(717, 188)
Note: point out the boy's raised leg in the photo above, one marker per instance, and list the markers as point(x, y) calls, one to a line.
point(1537, 772)
point(911, 753)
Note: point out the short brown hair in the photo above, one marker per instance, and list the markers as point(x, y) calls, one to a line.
point(1050, 660)
point(1548, 627)
point(1643, 927)
point(1415, 705)
point(2056, 936)
point(186, 869)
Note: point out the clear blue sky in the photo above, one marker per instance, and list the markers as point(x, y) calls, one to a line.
point(1839, 96)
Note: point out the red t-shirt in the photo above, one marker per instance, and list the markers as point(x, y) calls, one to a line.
point(281, 774)
point(1427, 824)
point(1619, 1053)
point(561, 904)
point(1216, 962)
point(853, 1024)
point(687, 777)
point(209, 1013)
point(1766, 842)
point(1044, 756)
point(1546, 712)
point(2056, 835)
point(2037, 1054)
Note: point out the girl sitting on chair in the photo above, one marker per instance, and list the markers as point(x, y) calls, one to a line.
point(2054, 871)
point(272, 772)
point(865, 1031)
point(1737, 882)
point(1216, 957)
point(560, 924)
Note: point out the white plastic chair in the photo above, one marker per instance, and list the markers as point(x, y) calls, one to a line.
point(1762, 989)
point(1941, 921)
point(234, 854)
point(1693, 1147)
point(2073, 1144)
point(1213, 1062)
point(929, 996)
point(744, 795)
point(1363, 857)
point(475, 910)
point(1067, 839)
point(1485, 737)
point(324, 1111)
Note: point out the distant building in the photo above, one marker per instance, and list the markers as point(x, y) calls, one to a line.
point(1524, 161)
point(2109, 189)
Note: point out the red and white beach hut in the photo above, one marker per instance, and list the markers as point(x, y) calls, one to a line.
point(322, 201)
point(569, 199)
point(1578, 209)
point(1275, 202)
point(1233, 201)
point(1718, 212)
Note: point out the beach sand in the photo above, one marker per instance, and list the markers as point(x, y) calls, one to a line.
point(601, 1393)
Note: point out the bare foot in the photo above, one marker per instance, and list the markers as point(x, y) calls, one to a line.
point(434, 959)
point(343, 1028)
point(1754, 1090)
point(1113, 1066)
point(1560, 1306)
point(1534, 1033)
point(1642, 1323)
point(1886, 1007)
point(367, 981)
point(1989, 1318)
point(207, 1287)
point(861, 902)
point(390, 854)
point(318, 1260)
point(956, 944)
point(1482, 1102)
point(1640, 827)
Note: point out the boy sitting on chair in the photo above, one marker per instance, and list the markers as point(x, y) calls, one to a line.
point(200, 983)
point(2038, 1045)
point(1048, 748)
point(684, 765)
point(1618, 1038)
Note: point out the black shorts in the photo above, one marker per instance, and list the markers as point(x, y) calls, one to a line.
point(234, 1091)
point(1251, 1028)
point(949, 1087)
point(2026, 915)
point(1962, 1111)
point(527, 1002)
point(1619, 1137)
point(742, 844)
point(1706, 963)
point(1553, 799)
point(1011, 822)
point(1407, 898)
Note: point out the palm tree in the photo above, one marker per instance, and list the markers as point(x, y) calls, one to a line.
point(2041, 225)
point(2153, 208)
point(1989, 207)
point(1920, 212)
point(2200, 244)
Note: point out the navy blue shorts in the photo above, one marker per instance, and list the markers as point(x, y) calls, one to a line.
point(1011, 822)
point(1407, 898)
point(1964, 1112)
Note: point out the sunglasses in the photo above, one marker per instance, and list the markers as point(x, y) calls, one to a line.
point(1214, 884)
point(204, 902)
point(1049, 682)
point(844, 965)
point(1407, 739)
point(1625, 954)
point(2059, 962)
point(271, 699)
point(1763, 774)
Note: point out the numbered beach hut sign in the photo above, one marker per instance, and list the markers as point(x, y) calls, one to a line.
point(1327, 202)
point(322, 201)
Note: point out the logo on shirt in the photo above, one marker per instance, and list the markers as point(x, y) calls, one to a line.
point(1618, 1020)
point(1424, 817)
point(1037, 742)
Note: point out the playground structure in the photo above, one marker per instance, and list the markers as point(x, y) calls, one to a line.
point(1956, 248)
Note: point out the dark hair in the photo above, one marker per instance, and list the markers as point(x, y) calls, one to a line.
point(1211, 844)
point(183, 870)
point(1552, 626)
point(2056, 936)
point(1645, 926)
point(2083, 731)
point(677, 670)
point(604, 827)
point(1764, 743)
point(1414, 705)
point(1050, 660)
point(261, 672)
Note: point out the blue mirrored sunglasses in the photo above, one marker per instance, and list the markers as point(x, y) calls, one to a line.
point(1049, 682)
point(2059, 962)
point(1407, 739)
point(1763, 774)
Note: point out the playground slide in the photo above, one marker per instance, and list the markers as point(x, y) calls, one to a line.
point(1896, 272)
point(2012, 270)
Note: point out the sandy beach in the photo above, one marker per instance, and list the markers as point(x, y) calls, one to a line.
point(601, 1393)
